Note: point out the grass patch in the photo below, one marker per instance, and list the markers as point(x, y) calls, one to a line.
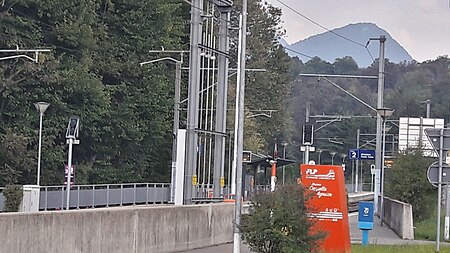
point(426, 229)
point(399, 249)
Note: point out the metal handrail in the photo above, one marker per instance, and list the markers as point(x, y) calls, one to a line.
point(90, 191)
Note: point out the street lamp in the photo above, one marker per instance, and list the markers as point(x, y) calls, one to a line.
point(41, 107)
point(384, 114)
point(284, 144)
point(320, 153)
point(332, 157)
point(176, 117)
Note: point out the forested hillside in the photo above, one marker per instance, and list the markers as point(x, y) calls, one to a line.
point(406, 85)
point(93, 71)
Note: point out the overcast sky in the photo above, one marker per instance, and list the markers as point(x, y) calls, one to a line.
point(422, 27)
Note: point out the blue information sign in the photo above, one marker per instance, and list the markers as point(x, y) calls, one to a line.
point(353, 154)
point(365, 215)
point(361, 154)
point(367, 154)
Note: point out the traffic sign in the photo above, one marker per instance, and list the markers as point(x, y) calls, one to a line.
point(433, 173)
point(72, 174)
point(353, 154)
point(434, 135)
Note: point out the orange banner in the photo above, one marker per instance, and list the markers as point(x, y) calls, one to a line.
point(329, 204)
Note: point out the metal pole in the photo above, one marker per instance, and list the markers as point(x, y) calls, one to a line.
point(438, 226)
point(382, 173)
point(428, 102)
point(221, 113)
point(447, 213)
point(380, 93)
point(38, 181)
point(307, 114)
point(236, 114)
point(176, 126)
point(193, 94)
point(358, 131)
point(308, 109)
point(69, 166)
point(284, 144)
point(241, 80)
point(307, 153)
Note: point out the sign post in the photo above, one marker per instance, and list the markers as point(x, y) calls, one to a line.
point(365, 220)
point(440, 140)
point(360, 154)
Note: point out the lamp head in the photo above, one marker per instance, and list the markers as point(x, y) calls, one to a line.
point(385, 112)
point(41, 107)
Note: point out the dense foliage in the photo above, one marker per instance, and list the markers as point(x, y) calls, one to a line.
point(279, 222)
point(92, 71)
point(13, 198)
point(407, 182)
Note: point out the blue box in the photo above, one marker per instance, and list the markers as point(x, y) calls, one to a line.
point(365, 215)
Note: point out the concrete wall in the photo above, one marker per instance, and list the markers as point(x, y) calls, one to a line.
point(126, 229)
point(399, 217)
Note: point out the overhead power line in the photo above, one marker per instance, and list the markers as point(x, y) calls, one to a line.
point(297, 52)
point(323, 27)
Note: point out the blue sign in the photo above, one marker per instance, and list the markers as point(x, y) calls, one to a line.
point(361, 154)
point(353, 154)
point(365, 215)
point(367, 154)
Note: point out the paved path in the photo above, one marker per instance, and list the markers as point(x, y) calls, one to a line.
point(379, 235)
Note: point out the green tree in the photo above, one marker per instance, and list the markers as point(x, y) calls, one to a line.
point(407, 181)
point(268, 90)
point(279, 222)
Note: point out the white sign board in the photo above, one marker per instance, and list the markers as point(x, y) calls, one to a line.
point(411, 133)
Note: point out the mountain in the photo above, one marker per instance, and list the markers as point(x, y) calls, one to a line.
point(329, 46)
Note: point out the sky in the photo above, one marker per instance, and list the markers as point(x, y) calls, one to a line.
point(422, 27)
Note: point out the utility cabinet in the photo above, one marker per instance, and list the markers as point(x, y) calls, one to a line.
point(30, 200)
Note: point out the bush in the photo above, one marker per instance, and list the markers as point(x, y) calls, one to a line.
point(279, 223)
point(407, 181)
point(13, 197)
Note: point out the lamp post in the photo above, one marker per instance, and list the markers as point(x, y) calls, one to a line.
point(41, 107)
point(284, 144)
point(332, 157)
point(384, 114)
point(176, 117)
point(320, 153)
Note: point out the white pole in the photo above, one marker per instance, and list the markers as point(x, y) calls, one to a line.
point(240, 133)
point(380, 98)
point(38, 181)
point(236, 114)
point(438, 226)
point(382, 172)
point(69, 166)
point(357, 161)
